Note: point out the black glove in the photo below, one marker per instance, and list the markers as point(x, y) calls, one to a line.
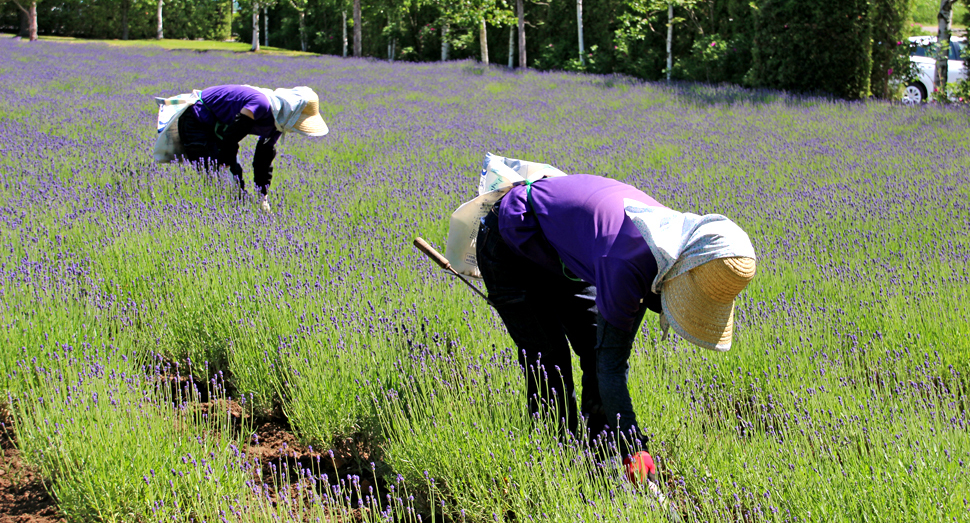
point(263, 162)
point(229, 139)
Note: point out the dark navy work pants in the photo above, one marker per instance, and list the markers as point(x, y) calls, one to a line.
point(545, 313)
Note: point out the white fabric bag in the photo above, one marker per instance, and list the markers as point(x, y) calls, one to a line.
point(168, 145)
point(499, 174)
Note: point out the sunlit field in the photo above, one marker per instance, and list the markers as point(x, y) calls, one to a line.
point(152, 321)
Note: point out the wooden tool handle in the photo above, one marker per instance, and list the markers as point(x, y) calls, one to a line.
point(424, 247)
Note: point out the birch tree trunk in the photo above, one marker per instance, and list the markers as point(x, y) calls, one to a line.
point(511, 45)
point(255, 46)
point(160, 34)
point(670, 39)
point(303, 30)
point(344, 13)
point(483, 42)
point(944, 19)
point(579, 24)
point(357, 29)
point(444, 41)
point(266, 26)
point(520, 6)
point(32, 22)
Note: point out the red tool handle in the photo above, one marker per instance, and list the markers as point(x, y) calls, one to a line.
point(426, 248)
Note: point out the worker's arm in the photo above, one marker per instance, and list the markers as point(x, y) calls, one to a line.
point(231, 136)
point(623, 293)
point(263, 161)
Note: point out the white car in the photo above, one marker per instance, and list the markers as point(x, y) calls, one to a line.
point(924, 58)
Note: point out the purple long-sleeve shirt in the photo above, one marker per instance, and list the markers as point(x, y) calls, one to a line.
point(222, 103)
point(578, 222)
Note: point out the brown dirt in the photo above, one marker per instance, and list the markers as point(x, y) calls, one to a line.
point(23, 498)
point(278, 450)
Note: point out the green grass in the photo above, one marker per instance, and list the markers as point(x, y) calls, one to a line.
point(925, 12)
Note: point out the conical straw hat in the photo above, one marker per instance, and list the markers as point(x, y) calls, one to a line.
point(699, 304)
point(311, 123)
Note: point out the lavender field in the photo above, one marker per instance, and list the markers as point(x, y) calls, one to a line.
point(150, 320)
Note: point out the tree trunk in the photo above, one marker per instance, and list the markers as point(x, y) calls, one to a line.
point(670, 39)
point(579, 24)
point(357, 30)
point(255, 46)
point(266, 26)
point(31, 16)
point(124, 19)
point(944, 19)
point(511, 45)
point(520, 6)
point(32, 22)
point(483, 42)
point(159, 34)
point(344, 13)
point(444, 41)
point(303, 30)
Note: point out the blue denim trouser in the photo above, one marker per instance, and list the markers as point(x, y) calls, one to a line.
point(544, 313)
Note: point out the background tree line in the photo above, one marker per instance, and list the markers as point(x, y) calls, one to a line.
point(848, 48)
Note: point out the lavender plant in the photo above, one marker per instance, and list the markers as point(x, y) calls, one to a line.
point(844, 398)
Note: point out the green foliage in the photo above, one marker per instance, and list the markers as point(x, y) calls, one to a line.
point(924, 12)
point(890, 51)
point(846, 49)
point(708, 60)
point(183, 19)
point(961, 91)
point(198, 19)
point(823, 47)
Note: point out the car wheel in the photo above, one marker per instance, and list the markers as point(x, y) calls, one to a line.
point(914, 94)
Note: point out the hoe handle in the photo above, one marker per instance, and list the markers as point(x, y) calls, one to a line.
point(426, 248)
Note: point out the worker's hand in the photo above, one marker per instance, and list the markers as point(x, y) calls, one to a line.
point(640, 467)
point(264, 204)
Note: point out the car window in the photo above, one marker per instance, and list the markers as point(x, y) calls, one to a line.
point(956, 50)
point(924, 48)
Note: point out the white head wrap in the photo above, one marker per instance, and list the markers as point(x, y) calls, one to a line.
point(287, 105)
point(681, 241)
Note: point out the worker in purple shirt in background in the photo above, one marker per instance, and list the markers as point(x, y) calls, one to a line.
point(211, 129)
point(578, 260)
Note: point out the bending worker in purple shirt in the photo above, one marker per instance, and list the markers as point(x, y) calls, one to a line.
point(578, 260)
point(211, 129)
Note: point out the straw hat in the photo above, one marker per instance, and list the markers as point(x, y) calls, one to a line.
point(699, 304)
point(310, 122)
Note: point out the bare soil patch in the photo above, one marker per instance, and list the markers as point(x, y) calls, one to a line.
point(283, 458)
point(23, 498)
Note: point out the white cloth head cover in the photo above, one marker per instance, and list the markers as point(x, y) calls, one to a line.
point(287, 105)
point(681, 241)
